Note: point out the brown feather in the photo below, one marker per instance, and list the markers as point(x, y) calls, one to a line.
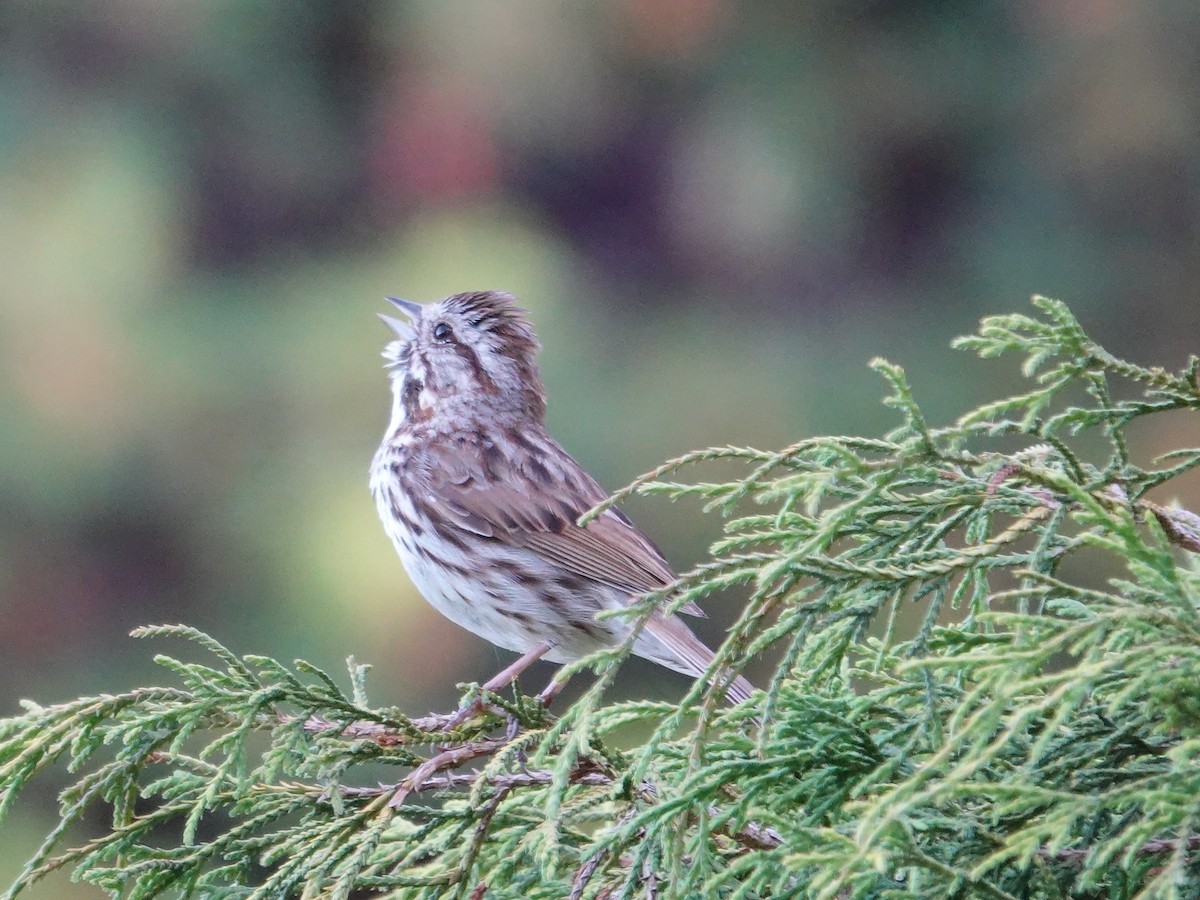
point(484, 496)
point(678, 639)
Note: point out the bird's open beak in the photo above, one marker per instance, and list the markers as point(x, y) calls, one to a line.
point(403, 329)
point(408, 307)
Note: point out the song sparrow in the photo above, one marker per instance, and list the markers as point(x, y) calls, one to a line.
point(481, 502)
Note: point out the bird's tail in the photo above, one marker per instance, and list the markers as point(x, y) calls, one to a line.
point(667, 641)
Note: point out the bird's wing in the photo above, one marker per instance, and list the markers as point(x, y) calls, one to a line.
point(532, 496)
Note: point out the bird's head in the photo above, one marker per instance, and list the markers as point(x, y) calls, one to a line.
point(469, 353)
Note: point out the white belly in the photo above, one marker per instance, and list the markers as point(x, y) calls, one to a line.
point(479, 593)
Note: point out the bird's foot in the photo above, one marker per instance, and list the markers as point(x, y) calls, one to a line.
point(472, 710)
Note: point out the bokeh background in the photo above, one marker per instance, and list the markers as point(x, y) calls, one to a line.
point(717, 213)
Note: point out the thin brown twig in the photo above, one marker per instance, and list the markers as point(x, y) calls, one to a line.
point(425, 778)
point(505, 782)
point(449, 758)
point(481, 830)
point(1151, 848)
point(424, 729)
point(1181, 526)
point(586, 871)
point(755, 836)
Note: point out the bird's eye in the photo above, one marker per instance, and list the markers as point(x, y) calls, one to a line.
point(442, 332)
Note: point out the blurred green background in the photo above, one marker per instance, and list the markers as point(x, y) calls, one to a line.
point(716, 212)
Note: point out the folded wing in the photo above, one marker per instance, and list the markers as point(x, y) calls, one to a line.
point(534, 500)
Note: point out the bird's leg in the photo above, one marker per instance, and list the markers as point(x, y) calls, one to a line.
point(498, 682)
point(552, 689)
point(505, 677)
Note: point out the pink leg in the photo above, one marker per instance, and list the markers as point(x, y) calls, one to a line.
point(505, 678)
point(502, 680)
point(551, 690)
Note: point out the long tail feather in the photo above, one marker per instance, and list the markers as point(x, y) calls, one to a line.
point(669, 642)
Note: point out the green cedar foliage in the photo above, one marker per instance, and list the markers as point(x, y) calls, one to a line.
point(987, 685)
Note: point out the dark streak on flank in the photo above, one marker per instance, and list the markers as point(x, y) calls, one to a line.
point(572, 584)
point(410, 524)
point(449, 533)
point(455, 568)
point(589, 627)
point(528, 579)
